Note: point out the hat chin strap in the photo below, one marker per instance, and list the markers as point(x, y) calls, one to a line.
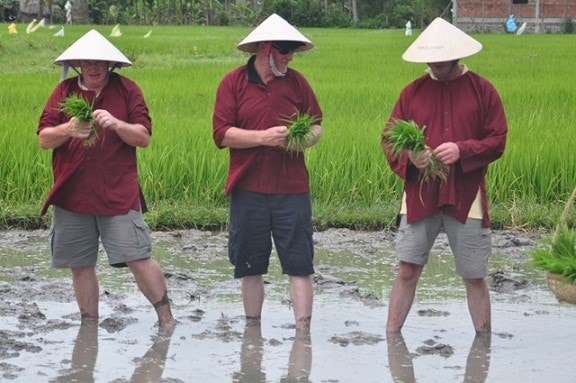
point(274, 68)
point(65, 66)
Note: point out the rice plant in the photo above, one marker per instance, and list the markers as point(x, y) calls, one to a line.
point(299, 131)
point(76, 106)
point(407, 135)
point(179, 68)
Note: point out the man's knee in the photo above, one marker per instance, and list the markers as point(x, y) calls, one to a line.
point(409, 271)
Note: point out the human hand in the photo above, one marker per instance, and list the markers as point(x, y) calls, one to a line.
point(420, 159)
point(447, 153)
point(105, 119)
point(78, 129)
point(275, 136)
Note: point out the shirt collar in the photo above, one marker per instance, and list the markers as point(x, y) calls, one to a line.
point(252, 74)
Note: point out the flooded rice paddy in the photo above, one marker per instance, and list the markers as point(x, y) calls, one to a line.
point(41, 339)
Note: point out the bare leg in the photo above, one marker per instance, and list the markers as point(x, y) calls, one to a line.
point(479, 304)
point(151, 282)
point(87, 292)
point(253, 296)
point(402, 295)
point(301, 293)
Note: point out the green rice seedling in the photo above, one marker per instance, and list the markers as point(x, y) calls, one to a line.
point(299, 131)
point(557, 254)
point(407, 135)
point(76, 106)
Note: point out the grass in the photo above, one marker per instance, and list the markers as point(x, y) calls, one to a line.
point(357, 76)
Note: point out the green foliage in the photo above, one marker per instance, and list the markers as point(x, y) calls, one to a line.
point(558, 255)
point(372, 14)
point(568, 25)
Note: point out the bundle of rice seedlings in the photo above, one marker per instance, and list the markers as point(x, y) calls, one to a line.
point(557, 254)
point(299, 131)
point(76, 106)
point(407, 135)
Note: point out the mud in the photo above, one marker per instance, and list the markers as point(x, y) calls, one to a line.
point(41, 339)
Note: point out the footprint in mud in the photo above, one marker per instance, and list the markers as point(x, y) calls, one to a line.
point(357, 338)
point(430, 347)
point(117, 324)
point(433, 313)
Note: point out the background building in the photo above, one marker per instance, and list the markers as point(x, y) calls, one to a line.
point(542, 16)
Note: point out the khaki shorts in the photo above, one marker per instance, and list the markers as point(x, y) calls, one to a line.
point(471, 243)
point(74, 238)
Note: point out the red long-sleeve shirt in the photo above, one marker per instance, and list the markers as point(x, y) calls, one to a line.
point(101, 179)
point(467, 111)
point(245, 102)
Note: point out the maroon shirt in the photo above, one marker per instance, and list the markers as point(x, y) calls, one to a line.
point(245, 102)
point(101, 179)
point(467, 111)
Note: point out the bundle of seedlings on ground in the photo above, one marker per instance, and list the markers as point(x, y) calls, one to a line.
point(407, 135)
point(557, 254)
point(299, 131)
point(76, 106)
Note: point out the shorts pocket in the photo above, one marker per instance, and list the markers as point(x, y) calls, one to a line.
point(142, 234)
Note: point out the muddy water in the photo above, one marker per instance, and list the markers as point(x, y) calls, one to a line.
point(41, 340)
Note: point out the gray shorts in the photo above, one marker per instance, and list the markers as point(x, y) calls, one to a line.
point(74, 238)
point(471, 243)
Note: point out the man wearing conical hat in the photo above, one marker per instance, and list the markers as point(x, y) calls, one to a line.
point(267, 182)
point(464, 125)
point(96, 195)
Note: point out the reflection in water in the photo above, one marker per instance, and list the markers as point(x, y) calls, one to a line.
point(251, 355)
point(83, 355)
point(85, 352)
point(300, 362)
point(252, 351)
point(478, 362)
point(151, 366)
point(402, 369)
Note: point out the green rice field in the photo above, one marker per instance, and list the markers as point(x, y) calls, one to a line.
point(357, 76)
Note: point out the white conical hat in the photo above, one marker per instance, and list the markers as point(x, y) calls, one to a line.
point(274, 28)
point(93, 46)
point(441, 41)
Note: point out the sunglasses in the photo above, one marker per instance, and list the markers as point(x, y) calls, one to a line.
point(283, 50)
point(93, 63)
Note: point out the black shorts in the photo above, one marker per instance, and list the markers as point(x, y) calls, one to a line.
point(256, 219)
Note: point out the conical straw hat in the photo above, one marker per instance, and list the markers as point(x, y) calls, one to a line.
point(274, 28)
point(93, 46)
point(441, 41)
